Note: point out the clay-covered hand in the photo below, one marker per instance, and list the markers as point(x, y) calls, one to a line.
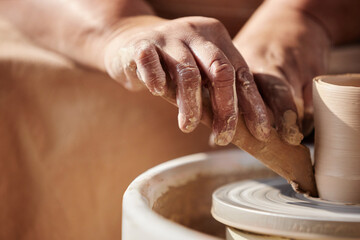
point(192, 52)
point(285, 48)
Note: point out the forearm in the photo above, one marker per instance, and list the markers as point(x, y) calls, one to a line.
point(65, 25)
point(340, 18)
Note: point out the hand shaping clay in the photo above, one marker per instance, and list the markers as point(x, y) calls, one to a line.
point(337, 137)
point(291, 162)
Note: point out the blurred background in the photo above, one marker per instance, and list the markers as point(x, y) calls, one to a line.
point(71, 139)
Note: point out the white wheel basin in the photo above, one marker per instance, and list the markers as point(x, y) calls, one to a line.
point(173, 200)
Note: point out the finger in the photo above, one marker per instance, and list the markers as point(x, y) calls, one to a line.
point(252, 105)
point(149, 67)
point(183, 69)
point(250, 101)
point(121, 67)
point(308, 120)
point(277, 93)
point(290, 71)
point(221, 75)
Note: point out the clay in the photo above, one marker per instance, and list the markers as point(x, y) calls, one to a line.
point(337, 137)
point(177, 204)
point(270, 207)
point(291, 162)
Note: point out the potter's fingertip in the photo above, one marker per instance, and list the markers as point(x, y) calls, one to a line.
point(259, 128)
point(263, 132)
point(263, 128)
point(294, 139)
point(224, 138)
point(187, 124)
point(158, 91)
point(290, 131)
point(292, 136)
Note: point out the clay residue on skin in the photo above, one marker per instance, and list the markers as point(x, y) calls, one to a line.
point(123, 68)
point(190, 203)
point(225, 136)
point(290, 132)
point(187, 125)
point(263, 131)
point(254, 109)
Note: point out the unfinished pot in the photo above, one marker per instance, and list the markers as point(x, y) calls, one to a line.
point(337, 137)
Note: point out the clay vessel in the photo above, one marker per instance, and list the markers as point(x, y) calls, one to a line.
point(337, 137)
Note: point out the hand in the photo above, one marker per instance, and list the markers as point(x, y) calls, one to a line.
point(285, 49)
point(192, 52)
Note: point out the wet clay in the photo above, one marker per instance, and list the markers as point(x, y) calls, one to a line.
point(270, 207)
point(189, 204)
point(337, 137)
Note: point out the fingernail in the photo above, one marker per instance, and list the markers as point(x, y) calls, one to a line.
point(225, 135)
point(290, 129)
point(224, 138)
point(187, 125)
point(246, 77)
point(263, 131)
point(158, 91)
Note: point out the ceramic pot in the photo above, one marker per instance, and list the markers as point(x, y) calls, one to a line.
point(337, 137)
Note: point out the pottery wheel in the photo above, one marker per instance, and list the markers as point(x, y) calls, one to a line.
point(271, 207)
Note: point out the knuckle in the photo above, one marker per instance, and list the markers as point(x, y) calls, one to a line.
point(188, 73)
point(115, 68)
point(190, 25)
point(278, 87)
point(131, 84)
point(152, 80)
point(197, 23)
point(119, 73)
point(244, 78)
point(122, 68)
point(146, 55)
point(213, 21)
point(223, 73)
point(216, 25)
